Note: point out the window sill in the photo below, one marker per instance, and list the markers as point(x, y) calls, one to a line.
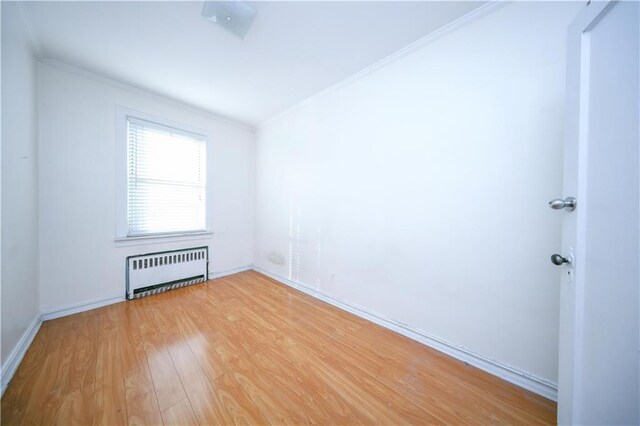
point(159, 239)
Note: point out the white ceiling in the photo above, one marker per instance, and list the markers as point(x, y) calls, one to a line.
point(292, 51)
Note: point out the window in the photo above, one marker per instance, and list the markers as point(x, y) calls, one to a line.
point(166, 179)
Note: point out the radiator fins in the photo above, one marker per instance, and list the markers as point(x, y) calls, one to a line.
point(153, 273)
point(163, 288)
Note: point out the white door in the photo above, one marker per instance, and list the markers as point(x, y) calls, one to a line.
point(599, 375)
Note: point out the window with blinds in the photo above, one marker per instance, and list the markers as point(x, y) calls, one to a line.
point(166, 183)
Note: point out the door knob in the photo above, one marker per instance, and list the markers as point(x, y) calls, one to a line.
point(556, 259)
point(568, 203)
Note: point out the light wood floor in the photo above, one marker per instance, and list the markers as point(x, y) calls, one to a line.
point(245, 349)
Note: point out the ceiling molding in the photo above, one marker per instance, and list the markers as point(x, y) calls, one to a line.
point(33, 35)
point(474, 15)
point(145, 92)
point(250, 84)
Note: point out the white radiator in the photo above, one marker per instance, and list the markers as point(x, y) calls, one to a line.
point(153, 273)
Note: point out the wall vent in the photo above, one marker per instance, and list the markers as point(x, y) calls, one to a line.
point(154, 273)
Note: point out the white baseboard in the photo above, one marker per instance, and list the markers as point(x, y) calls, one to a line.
point(511, 374)
point(79, 307)
point(98, 303)
point(214, 275)
point(15, 357)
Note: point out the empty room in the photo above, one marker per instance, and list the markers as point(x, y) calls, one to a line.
point(320, 212)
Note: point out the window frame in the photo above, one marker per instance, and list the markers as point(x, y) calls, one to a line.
point(122, 222)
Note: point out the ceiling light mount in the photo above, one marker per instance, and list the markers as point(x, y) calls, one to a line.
point(233, 16)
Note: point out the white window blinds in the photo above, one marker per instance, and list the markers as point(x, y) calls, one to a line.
point(166, 179)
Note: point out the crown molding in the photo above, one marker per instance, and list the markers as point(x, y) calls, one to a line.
point(144, 92)
point(461, 22)
point(33, 35)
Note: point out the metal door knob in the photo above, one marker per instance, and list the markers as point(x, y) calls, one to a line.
point(568, 203)
point(556, 259)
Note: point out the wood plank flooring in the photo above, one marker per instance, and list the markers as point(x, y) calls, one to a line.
point(245, 349)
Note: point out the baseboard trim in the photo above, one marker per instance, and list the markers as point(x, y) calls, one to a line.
point(511, 374)
point(99, 303)
point(80, 307)
point(214, 275)
point(16, 355)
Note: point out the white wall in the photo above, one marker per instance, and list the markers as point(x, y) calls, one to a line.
point(19, 180)
point(419, 191)
point(79, 260)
